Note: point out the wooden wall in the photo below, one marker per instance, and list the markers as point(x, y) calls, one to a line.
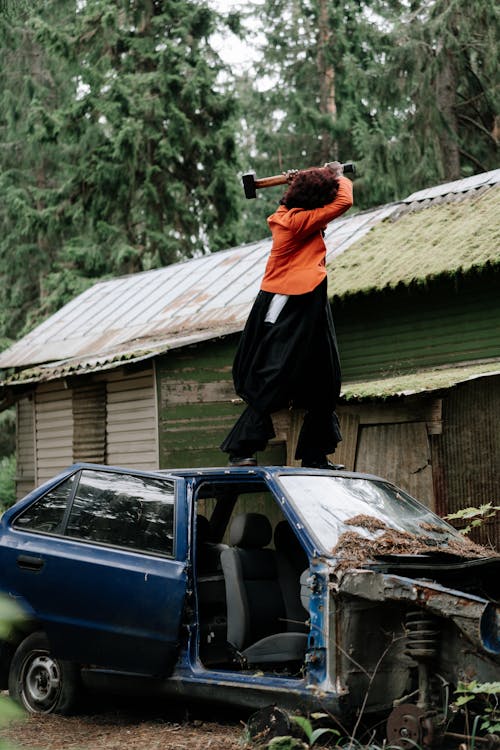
point(197, 406)
point(53, 430)
point(131, 418)
point(466, 455)
point(398, 330)
point(108, 418)
point(25, 446)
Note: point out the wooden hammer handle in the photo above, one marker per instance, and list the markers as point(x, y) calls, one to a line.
point(281, 179)
point(277, 179)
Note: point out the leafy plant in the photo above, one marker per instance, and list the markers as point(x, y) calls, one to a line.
point(487, 693)
point(308, 729)
point(475, 516)
point(9, 615)
point(7, 482)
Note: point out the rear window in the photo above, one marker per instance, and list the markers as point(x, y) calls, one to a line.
point(108, 508)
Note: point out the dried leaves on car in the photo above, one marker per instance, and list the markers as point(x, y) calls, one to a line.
point(354, 549)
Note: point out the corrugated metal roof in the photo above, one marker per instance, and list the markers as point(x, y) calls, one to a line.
point(132, 317)
point(420, 381)
point(135, 317)
point(458, 186)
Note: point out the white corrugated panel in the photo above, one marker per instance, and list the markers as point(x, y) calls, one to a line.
point(131, 430)
point(459, 186)
point(25, 446)
point(53, 430)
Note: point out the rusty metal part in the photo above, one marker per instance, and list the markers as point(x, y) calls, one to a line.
point(477, 618)
point(410, 726)
point(492, 741)
point(422, 632)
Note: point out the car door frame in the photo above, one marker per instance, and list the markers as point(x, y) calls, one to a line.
point(146, 644)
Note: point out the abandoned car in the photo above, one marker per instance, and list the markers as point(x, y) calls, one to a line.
point(256, 586)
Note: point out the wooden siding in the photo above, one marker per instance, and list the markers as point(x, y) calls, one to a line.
point(466, 456)
point(400, 453)
point(53, 430)
point(25, 446)
point(400, 331)
point(197, 406)
point(89, 423)
point(131, 428)
point(392, 441)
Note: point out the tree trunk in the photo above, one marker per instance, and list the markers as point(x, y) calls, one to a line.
point(326, 73)
point(446, 94)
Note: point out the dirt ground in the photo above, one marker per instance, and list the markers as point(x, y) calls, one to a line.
point(128, 726)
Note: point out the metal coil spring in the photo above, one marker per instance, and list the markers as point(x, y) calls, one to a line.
point(422, 635)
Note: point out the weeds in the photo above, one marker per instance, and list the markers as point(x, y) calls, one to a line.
point(474, 516)
point(486, 699)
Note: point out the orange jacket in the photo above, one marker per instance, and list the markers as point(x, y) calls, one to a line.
point(297, 261)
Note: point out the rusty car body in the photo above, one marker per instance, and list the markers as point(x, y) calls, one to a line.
point(255, 586)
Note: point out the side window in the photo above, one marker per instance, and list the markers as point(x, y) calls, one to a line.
point(47, 514)
point(124, 511)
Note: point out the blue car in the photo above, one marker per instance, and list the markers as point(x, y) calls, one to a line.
point(256, 586)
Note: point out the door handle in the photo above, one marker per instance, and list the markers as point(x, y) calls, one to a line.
point(28, 562)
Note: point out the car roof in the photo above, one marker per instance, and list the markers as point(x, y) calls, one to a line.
point(236, 471)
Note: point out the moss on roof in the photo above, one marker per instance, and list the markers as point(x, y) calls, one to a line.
point(418, 381)
point(440, 239)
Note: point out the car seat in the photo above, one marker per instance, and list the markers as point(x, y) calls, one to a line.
point(256, 613)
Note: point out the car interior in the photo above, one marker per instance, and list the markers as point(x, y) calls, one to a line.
point(248, 563)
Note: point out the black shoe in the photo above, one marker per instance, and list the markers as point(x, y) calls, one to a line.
point(325, 464)
point(242, 461)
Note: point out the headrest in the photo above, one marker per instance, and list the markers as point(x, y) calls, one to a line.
point(250, 531)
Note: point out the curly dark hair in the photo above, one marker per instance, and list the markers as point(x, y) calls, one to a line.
point(311, 188)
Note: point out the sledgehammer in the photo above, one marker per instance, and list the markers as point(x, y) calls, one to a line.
point(251, 185)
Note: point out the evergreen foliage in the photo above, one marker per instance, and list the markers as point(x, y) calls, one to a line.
point(436, 95)
point(118, 148)
point(407, 90)
point(7, 482)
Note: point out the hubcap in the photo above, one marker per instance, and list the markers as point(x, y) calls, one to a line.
point(40, 682)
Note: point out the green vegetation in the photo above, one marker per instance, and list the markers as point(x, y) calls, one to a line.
point(117, 147)
point(9, 711)
point(486, 697)
point(7, 481)
point(474, 517)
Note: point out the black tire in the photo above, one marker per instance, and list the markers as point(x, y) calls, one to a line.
point(38, 681)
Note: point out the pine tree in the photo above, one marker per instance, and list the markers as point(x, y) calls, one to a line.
point(29, 161)
point(133, 142)
point(407, 90)
point(435, 95)
point(318, 61)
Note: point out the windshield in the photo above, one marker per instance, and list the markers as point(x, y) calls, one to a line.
point(341, 510)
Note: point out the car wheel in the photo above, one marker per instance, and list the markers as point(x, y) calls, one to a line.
point(38, 681)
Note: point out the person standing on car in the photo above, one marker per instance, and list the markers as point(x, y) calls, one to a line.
point(287, 355)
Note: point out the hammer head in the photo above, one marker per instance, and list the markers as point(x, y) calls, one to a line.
point(249, 185)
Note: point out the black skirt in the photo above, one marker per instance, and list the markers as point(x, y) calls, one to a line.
point(292, 362)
